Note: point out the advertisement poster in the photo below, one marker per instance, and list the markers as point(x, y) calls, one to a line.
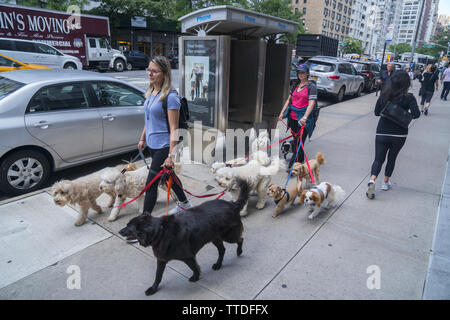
point(200, 75)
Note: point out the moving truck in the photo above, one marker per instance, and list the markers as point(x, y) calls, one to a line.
point(80, 35)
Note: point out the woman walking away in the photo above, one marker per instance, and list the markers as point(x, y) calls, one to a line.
point(390, 136)
point(429, 82)
point(298, 109)
point(161, 139)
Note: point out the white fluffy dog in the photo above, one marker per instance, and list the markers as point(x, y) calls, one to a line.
point(259, 152)
point(257, 176)
point(83, 191)
point(128, 185)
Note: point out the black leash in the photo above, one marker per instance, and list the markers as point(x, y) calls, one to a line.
point(139, 155)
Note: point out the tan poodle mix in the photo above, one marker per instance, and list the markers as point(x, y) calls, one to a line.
point(301, 171)
point(83, 192)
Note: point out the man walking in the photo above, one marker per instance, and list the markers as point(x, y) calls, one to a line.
point(386, 75)
point(445, 79)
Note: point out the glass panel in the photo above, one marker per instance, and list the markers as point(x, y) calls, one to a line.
point(7, 86)
point(319, 66)
point(115, 94)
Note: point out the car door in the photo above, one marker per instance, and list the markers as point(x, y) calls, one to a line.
point(48, 56)
point(344, 78)
point(104, 49)
point(25, 51)
point(60, 116)
point(351, 72)
point(121, 108)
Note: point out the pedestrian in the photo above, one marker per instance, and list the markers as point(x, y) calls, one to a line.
point(298, 109)
point(390, 137)
point(430, 81)
point(445, 80)
point(386, 74)
point(160, 139)
point(411, 76)
point(193, 81)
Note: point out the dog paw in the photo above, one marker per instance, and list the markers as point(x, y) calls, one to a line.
point(150, 291)
point(194, 278)
point(216, 266)
point(243, 213)
point(79, 223)
point(261, 205)
point(275, 215)
point(112, 218)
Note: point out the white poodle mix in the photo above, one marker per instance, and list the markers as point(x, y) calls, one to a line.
point(259, 152)
point(257, 176)
point(84, 192)
point(128, 185)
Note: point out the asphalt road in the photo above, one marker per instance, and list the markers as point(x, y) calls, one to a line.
point(139, 79)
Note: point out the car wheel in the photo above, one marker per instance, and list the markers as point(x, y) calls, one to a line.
point(24, 171)
point(129, 66)
point(70, 66)
point(119, 65)
point(340, 95)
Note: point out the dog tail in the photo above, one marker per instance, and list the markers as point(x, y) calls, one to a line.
point(339, 194)
point(272, 169)
point(320, 158)
point(244, 192)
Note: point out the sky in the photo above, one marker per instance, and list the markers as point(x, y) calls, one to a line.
point(444, 7)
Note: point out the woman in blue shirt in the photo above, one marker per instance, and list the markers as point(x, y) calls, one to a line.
point(160, 139)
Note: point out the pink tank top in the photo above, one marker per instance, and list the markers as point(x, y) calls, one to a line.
point(299, 100)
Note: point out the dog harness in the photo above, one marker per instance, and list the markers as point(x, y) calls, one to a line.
point(285, 193)
point(320, 192)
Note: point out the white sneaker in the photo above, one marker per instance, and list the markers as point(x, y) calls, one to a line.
point(180, 207)
point(385, 186)
point(370, 189)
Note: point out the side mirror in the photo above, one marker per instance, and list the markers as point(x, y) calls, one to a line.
point(16, 65)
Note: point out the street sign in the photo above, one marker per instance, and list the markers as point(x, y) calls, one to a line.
point(428, 45)
point(388, 41)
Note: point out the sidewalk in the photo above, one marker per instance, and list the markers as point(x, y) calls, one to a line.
point(290, 257)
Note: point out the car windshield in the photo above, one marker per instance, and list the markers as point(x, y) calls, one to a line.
point(360, 67)
point(319, 66)
point(7, 86)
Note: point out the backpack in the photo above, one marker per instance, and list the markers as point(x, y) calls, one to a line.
point(184, 113)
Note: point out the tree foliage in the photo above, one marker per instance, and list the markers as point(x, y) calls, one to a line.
point(400, 48)
point(351, 45)
point(441, 38)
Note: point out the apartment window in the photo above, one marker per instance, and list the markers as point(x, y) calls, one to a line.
point(332, 14)
point(345, 9)
point(340, 6)
point(304, 10)
point(350, 3)
point(327, 2)
point(334, 4)
point(325, 12)
point(344, 19)
point(338, 17)
point(304, 1)
point(332, 25)
point(338, 27)
point(296, 1)
point(296, 10)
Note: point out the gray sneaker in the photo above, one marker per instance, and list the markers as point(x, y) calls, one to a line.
point(385, 186)
point(180, 207)
point(370, 190)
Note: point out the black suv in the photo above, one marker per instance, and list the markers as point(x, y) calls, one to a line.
point(370, 72)
point(136, 59)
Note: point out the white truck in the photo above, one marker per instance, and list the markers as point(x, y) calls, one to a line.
point(80, 35)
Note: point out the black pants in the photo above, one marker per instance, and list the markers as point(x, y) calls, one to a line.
point(295, 126)
point(445, 90)
point(158, 158)
point(383, 145)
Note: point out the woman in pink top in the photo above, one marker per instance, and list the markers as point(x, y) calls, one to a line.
point(299, 107)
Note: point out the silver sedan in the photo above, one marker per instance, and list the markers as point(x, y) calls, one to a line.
point(54, 119)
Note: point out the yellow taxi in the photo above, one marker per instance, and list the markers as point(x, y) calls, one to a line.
point(10, 64)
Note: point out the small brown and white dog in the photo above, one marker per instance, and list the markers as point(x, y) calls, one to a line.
point(84, 192)
point(284, 197)
point(325, 195)
point(301, 169)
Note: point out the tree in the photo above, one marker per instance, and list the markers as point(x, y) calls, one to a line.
point(400, 48)
point(351, 45)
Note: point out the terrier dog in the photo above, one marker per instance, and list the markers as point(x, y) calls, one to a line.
point(181, 236)
point(284, 197)
point(301, 170)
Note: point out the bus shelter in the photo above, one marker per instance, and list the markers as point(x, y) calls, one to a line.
point(231, 75)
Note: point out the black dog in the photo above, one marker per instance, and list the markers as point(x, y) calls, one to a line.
point(181, 236)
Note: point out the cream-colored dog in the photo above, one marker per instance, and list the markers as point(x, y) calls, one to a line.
point(84, 192)
point(284, 197)
point(301, 171)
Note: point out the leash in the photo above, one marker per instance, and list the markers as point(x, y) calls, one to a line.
point(168, 194)
point(139, 155)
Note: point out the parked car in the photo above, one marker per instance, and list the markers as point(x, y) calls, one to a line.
point(371, 73)
point(33, 52)
point(136, 59)
point(335, 77)
point(10, 64)
point(54, 119)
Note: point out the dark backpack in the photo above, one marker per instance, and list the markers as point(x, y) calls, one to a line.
point(184, 113)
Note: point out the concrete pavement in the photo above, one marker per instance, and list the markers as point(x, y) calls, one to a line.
point(363, 249)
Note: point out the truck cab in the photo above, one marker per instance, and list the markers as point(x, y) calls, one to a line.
point(100, 55)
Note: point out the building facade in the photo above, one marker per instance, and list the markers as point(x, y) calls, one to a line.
point(328, 17)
